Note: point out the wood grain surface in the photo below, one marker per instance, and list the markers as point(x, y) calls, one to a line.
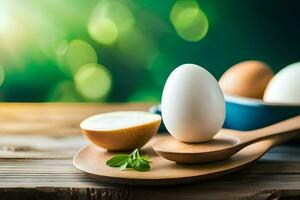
point(37, 143)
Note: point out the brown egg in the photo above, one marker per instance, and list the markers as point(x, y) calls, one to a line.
point(248, 79)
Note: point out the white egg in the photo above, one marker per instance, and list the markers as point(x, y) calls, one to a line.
point(192, 105)
point(284, 87)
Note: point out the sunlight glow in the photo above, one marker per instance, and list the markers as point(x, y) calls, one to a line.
point(6, 19)
point(4, 22)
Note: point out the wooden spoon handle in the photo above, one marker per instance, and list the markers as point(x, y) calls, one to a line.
point(283, 131)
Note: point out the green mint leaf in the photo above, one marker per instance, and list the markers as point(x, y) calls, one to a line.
point(125, 165)
point(135, 154)
point(142, 165)
point(117, 161)
point(134, 160)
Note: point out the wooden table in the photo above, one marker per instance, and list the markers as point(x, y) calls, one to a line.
point(37, 142)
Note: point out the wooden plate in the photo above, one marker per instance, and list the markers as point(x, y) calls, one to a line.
point(91, 160)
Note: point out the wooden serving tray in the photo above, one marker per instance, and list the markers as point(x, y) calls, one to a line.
point(92, 159)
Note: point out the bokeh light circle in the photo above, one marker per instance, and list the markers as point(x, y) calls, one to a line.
point(74, 55)
point(64, 91)
point(103, 30)
point(93, 81)
point(109, 20)
point(189, 21)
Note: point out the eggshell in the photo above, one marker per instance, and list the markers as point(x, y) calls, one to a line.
point(119, 131)
point(285, 86)
point(248, 79)
point(192, 105)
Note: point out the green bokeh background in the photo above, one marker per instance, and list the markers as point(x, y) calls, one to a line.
point(148, 45)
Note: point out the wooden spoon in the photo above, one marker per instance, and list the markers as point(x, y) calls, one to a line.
point(226, 143)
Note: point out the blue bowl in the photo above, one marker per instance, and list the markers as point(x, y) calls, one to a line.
point(248, 114)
